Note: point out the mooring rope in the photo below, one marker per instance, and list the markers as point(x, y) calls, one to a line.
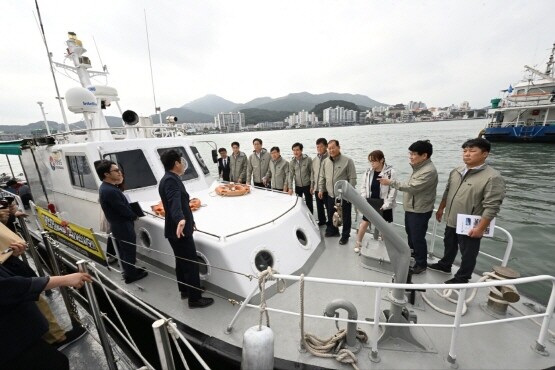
point(323, 347)
point(267, 275)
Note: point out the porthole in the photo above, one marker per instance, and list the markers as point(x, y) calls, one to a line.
point(144, 238)
point(203, 266)
point(263, 260)
point(301, 237)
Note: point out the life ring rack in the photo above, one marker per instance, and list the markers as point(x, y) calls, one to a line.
point(232, 190)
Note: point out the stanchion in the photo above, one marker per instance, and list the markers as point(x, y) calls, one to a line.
point(70, 305)
point(31, 244)
point(102, 334)
point(163, 344)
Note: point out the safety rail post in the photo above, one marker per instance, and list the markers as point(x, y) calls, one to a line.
point(452, 356)
point(56, 271)
point(116, 249)
point(32, 248)
point(509, 247)
point(241, 308)
point(539, 346)
point(163, 344)
point(374, 356)
point(97, 316)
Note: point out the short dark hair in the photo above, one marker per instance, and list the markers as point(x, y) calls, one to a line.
point(336, 142)
point(11, 182)
point(222, 150)
point(257, 139)
point(297, 145)
point(421, 147)
point(276, 148)
point(322, 140)
point(235, 143)
point(169, 158)
point(478, 142)
point(102, 167)
point(376, 155)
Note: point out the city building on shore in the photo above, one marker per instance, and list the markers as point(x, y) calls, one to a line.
point(230, 122)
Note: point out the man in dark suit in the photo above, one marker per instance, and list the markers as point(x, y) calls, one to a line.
point(179, 228)
point(121, 217)
point(223, 164)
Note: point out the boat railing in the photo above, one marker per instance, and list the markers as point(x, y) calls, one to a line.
point(434, 236)
point(459, 289)
point(164, 329)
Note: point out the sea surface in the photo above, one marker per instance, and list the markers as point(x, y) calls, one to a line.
point(529, 170)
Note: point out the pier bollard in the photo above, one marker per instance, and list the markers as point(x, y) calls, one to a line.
point(258, 349)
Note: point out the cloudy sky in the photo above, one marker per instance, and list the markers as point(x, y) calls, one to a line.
point(438, 52)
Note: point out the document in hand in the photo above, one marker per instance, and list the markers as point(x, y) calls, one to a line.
point(467, 222)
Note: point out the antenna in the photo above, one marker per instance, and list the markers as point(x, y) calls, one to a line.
point(43, 35)
point(156, 107)
point(104, 68)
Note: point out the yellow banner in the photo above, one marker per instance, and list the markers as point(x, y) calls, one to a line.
point(79, 237)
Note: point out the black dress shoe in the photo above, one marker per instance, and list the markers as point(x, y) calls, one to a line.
point(343, 240)
point(140, 274)
point(201, 302)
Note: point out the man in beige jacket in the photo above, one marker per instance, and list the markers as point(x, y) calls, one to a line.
point(419, 195)
point(337, 167)
point(473, 189)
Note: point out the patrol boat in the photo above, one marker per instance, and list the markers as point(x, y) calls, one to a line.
point(264, 259)
point(526, 113)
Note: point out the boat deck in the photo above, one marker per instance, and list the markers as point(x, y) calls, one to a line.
point(474, 344)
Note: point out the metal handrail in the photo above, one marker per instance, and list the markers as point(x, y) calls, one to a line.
point(506, 255)
point(457, 325)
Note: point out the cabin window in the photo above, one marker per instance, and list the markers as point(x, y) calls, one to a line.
point(191, 172)
point(200, 160)
point(135, 168)
point(80, 172)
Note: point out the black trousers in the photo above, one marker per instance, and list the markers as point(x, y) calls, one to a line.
point(321, 208)
point(126, 243)
point(416, 226)
point(347, 221)
point(187, 273)
point(305, 190)
point(39, 356)
point(470, 247)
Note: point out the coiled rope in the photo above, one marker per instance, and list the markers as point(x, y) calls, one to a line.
point(324, 347)
point(446, 293)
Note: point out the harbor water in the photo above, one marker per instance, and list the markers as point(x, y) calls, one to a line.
point(528, 169)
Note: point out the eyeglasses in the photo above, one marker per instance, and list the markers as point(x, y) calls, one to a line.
point(116, 170)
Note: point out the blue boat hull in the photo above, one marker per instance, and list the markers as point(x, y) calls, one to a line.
point(521, 134)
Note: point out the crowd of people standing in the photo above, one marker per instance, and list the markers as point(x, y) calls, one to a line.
point(309, 178)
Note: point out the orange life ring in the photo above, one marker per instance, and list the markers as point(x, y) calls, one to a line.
point(232, 190)
point(159, 209)
point(194, 204)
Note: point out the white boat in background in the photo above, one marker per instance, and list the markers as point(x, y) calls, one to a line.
point(527, 112)
point(246, 243)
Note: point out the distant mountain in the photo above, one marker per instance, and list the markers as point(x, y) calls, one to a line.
point(298, 101)
point(210, 105)
point(255, 115)
point(183, 115)
point(254, 103)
